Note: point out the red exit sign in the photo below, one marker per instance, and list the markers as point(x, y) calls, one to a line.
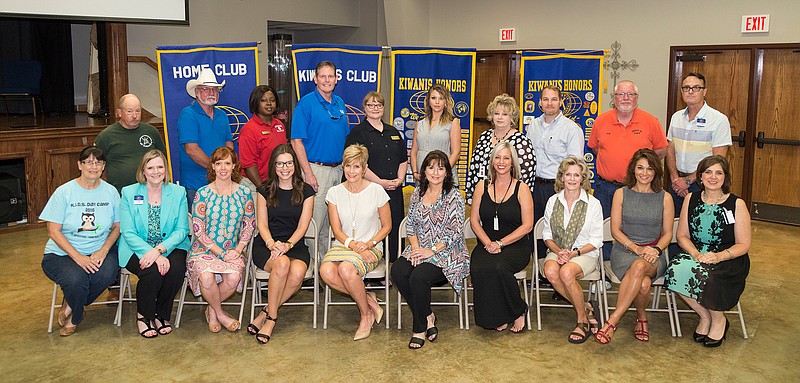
point(508, 34)
point(755, 23)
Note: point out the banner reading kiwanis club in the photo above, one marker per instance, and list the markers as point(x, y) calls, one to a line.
point(234, 63)
point(578, 74)
point(358, 71)
point(414, 70)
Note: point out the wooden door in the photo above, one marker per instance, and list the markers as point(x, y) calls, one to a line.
point(62, 166)
point(491, 80)
point(727, 76)
point(775, 195)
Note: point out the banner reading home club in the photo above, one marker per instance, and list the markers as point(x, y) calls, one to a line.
point(578, 74)
point(358, 71)
point(414, 70)
point(234, 63)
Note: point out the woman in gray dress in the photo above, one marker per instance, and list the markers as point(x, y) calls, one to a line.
point(641, 224)
point(439, 130)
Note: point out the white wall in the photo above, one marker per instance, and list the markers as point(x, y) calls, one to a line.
point(80, 61)
point(645, 28)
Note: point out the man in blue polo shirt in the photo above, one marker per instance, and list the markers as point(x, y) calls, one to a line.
point(201, 129)
point(319, 129)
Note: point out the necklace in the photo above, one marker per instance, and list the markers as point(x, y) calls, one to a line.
point(353, 209)
point(498, 139)
point(497, 204)
point(708, 202)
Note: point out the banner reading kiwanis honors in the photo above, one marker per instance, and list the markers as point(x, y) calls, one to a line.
point(414, 70)
point(358, 71)
point(234, 63)
point(578, 74)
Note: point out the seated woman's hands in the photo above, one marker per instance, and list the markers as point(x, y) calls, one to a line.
point(648, 253)
point(149, 258)
point(362, 248)
point(163, 265)
point(231, 254)
point(709, 258)
point(419, 254)
point(278, 249)
point(88, 264)
point(564, 255)
point(492, 247)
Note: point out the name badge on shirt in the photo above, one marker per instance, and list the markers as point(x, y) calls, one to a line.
point(729, 217)
point(138, 200)
point(701, 122)
point(265, 132)
point(482, 173)
point(396, 138)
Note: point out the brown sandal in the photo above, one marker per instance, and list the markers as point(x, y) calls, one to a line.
point(582, 337)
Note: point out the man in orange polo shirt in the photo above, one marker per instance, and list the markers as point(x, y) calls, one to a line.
point(615, 136)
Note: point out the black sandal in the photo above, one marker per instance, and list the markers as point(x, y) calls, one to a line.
point(253, 329)
point(416, 343)
point(583, 337)
point(149, 328)
point(264, 338)
point(432, 334)
point(164, 326)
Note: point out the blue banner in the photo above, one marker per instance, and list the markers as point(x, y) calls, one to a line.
point(234, 63)
point(358, 72)
point(414, 70)
point(578, 74)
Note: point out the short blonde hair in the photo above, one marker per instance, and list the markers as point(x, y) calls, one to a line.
point(355, 152)
point(150, 155)
point(515, 169)
point(376, 95)
point(507, 102)
point(562, 168)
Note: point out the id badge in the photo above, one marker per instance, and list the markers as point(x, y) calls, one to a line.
point(496, 223)
point(482, 173)
point(729, 217)
point(138, 200)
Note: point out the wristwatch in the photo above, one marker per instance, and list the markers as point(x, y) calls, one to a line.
point(374, 243)
point(158, 249)
point(433, 248)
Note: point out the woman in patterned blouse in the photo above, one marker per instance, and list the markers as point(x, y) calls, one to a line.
point(223, 220)
point(437, 252)
point(503, 113)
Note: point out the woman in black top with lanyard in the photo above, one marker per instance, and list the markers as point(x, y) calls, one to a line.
point(502, 218)
point(387, 159)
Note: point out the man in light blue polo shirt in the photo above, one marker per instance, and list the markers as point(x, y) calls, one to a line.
point(554, 137)
point(696, 132)
point(201, 129)
point(319, 129)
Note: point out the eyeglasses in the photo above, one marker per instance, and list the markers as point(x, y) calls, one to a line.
point(287, 164)
point(695, 88)
point(374, 106)
point(626, 94)
point(93, 163)
point(329, 111)
point(209, 89)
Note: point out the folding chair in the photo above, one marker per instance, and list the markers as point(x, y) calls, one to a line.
point(260, 279)
point(596, 280)
point(520, 276)
point(380, 271)
point(676, 311)
point(118, 302)
point(124, 285)
point(657, 285)
point(457, 300)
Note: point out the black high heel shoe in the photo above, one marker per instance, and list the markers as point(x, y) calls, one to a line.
point(699, 338)
point(717, 342)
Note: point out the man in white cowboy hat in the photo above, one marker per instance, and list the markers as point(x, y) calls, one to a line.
point(201, 129)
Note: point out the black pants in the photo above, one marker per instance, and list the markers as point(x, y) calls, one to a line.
point(396, 205)
point(155, 293)
point(414, 283)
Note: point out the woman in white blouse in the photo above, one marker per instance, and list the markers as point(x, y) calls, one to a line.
point(573, 234)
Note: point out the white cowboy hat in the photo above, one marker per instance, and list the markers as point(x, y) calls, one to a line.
point(206, 78)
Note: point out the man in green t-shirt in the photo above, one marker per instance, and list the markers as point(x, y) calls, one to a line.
point(125, 142)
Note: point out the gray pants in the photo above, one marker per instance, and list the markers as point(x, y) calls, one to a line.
point(327, 177)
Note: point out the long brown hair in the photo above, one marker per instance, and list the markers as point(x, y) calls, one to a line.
point(447, 112)
point(221, 153)
point(269, 188)
point(653, 161)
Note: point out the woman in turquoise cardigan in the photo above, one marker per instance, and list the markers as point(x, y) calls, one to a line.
point(154, 224)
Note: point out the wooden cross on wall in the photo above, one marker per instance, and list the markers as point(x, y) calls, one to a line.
point(612, 61)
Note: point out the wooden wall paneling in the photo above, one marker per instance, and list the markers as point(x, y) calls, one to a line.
point(117, 62)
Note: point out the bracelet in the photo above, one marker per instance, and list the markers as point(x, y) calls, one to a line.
point(577, 250)
point(291, 245)
point(499, 243)
point(658, 249)
point(267, 243)
point(347, 242)
point(626, 245)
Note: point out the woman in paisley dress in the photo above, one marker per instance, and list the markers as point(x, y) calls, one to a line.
point(437, 252)
point(503, 113)
point(438, 130)
point(714, 233)
point(223, 221)
point(573, 234)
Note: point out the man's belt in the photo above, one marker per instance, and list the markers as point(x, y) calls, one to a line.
point(545, 180)
point(615, 183)
point(328, 165)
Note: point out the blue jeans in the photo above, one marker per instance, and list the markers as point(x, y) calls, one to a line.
point(678, 200)
point(80, 288)
point(190, 198)
point(604, 192)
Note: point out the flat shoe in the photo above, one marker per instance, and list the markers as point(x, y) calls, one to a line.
point(416, 343)
point(148, 327)
point(641, 335)
point(432, 334)
point(603, 336)
point(163, 327)
point(63, 318)
point(67, 331)
point(582, 337)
